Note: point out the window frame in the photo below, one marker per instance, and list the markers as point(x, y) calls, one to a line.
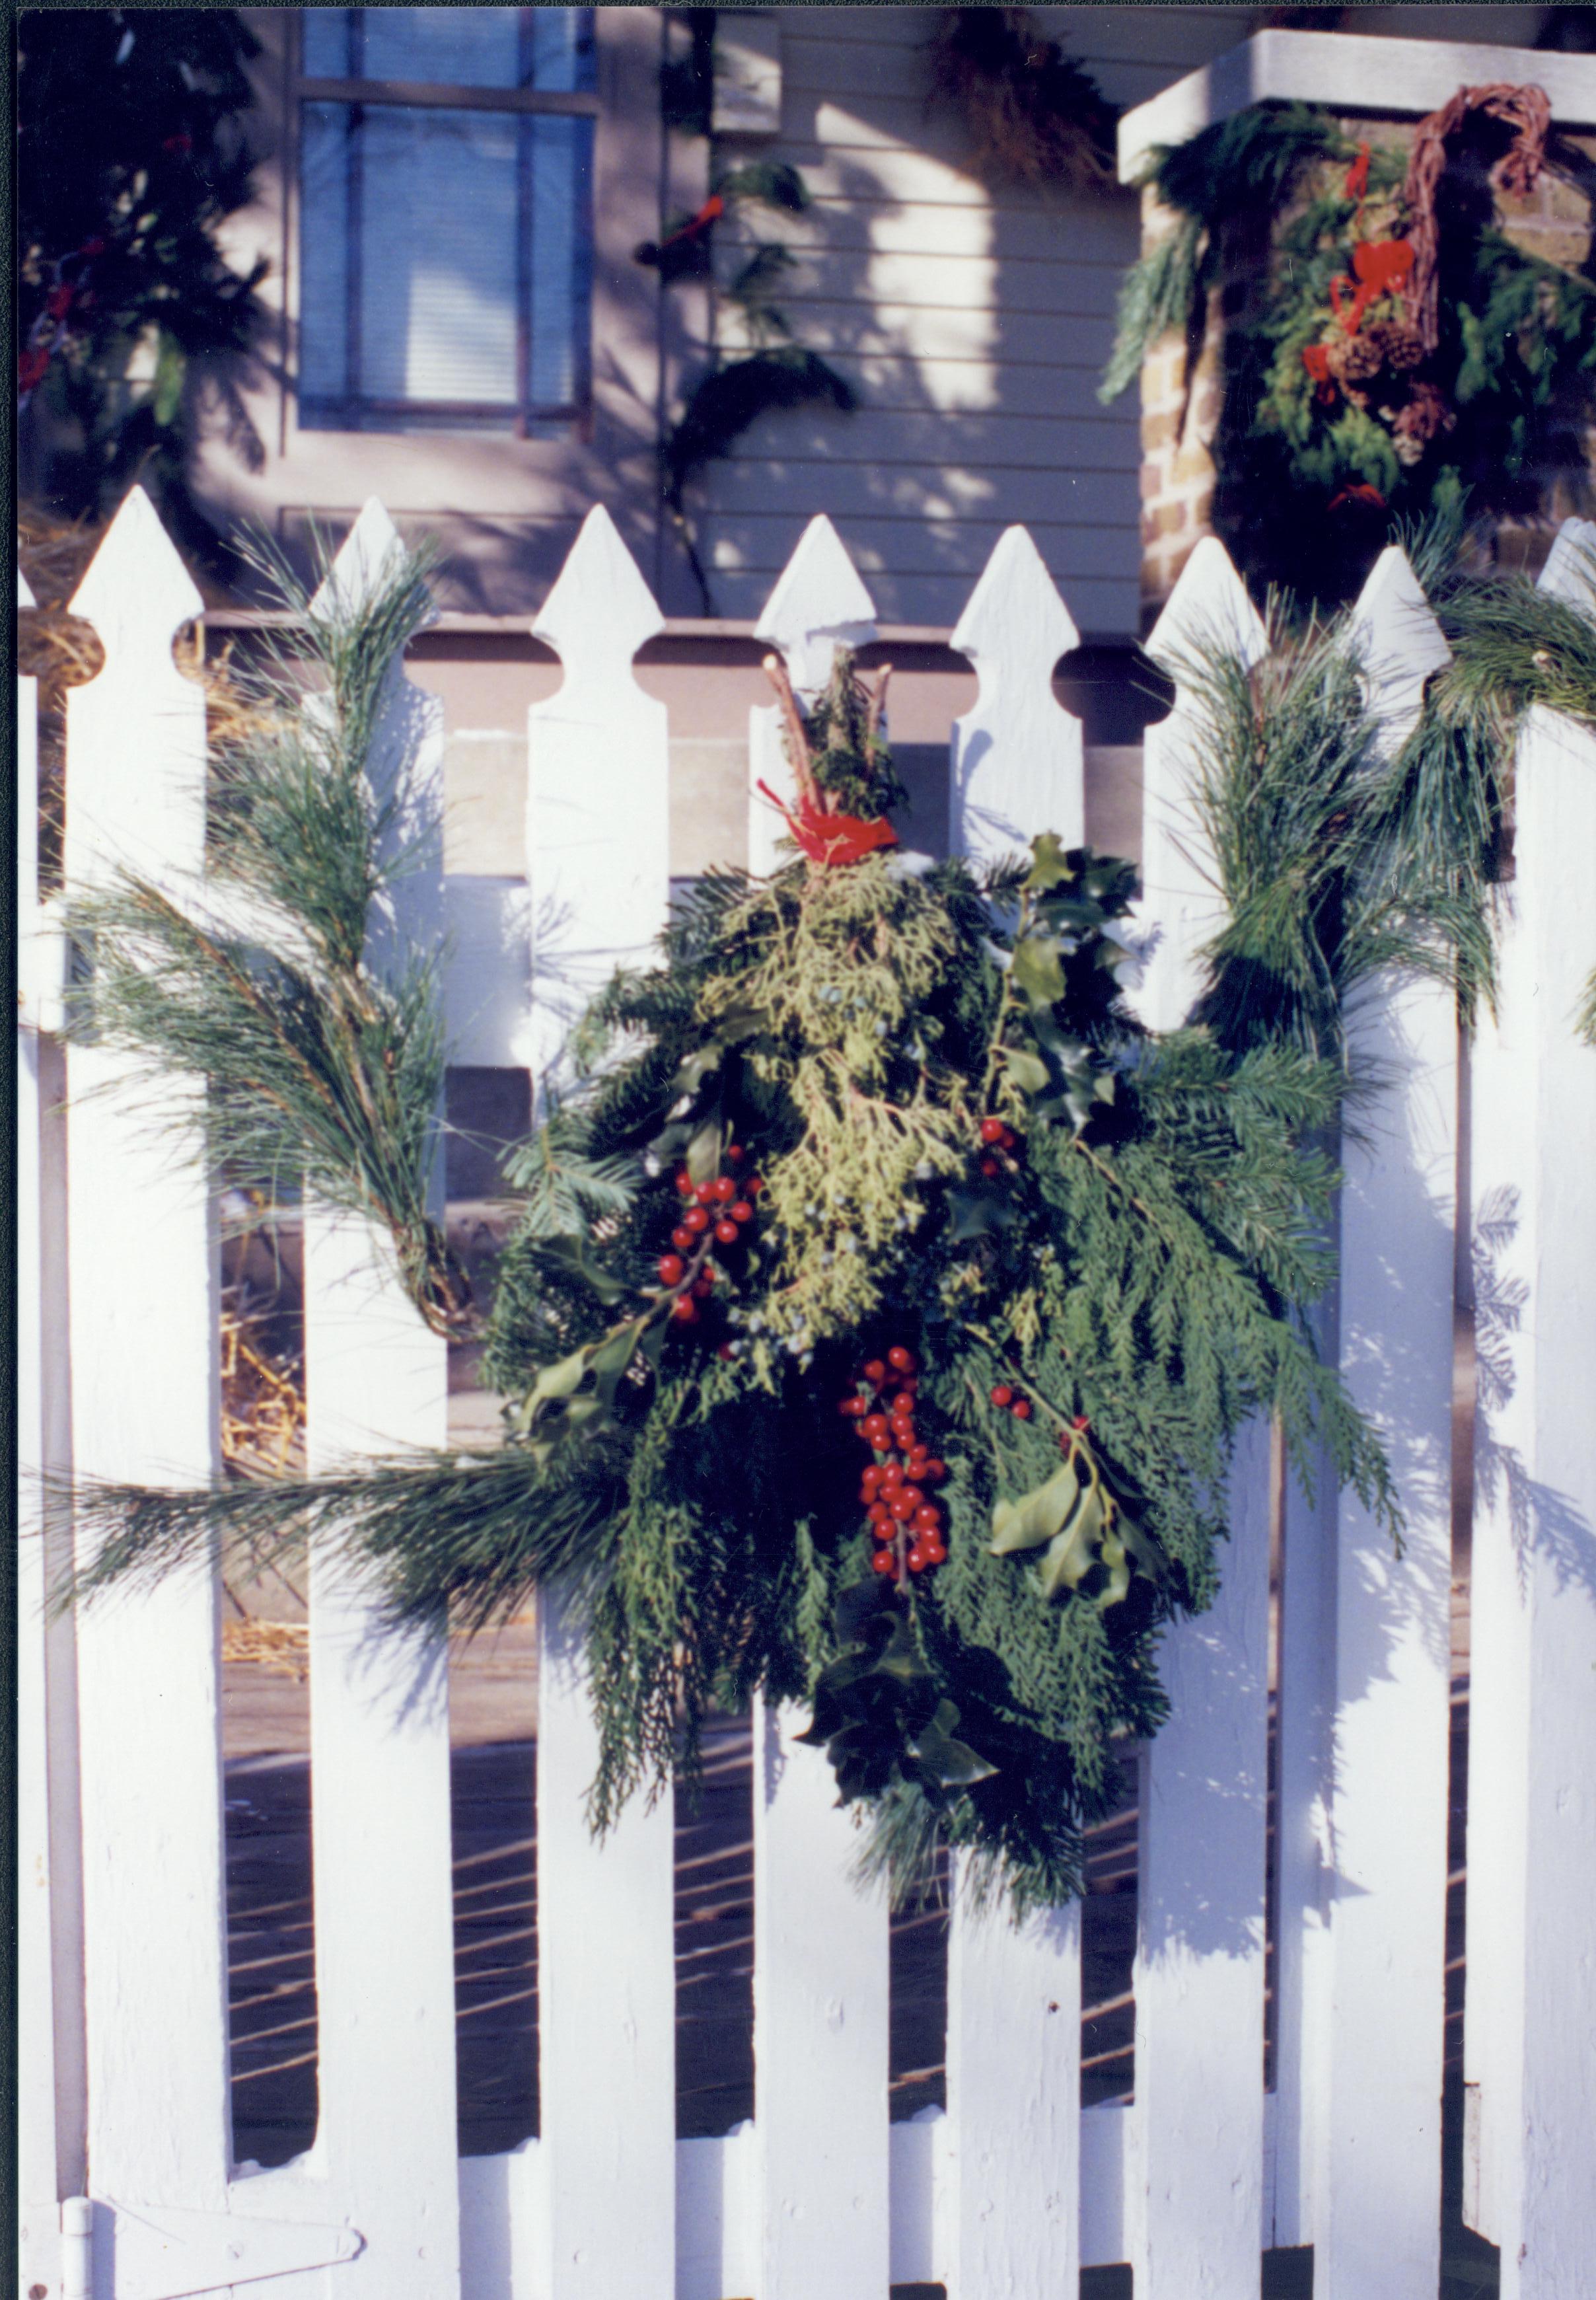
point(355, 410)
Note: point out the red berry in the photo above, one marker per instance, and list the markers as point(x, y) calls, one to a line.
point(892, 1474)
point(741, 1210)
point(1010, 1138)
point(992, 1130)
point(752, 1186)
point(885, 1562)
point(875, 1373)
point(704, 1284)
point(902, 1503)
point(1081, 1421)
point(904, 1401)
point(871, 1476)
point(913, 1496)
point(874, 1426)
point(683, 1182)
point(724, 1351)
point(695, 1220)
point(935, 1472)
point(685, 1309)
point(854, 1407)
point(903, 1430)
point(990, 1168)
point(734, 1153)
point(1001, 1395)
point(727, 1233)
point(927, 1518)
point(900, 1360)
point(1021, 1409)
point(934, 1549)
point(683, 1239)
point(881, 1518)
point(723, 1190)
point(705, 1192)
point(915, 1560)
point(671, 1266)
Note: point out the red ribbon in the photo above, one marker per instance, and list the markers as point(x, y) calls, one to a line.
point(834, 839)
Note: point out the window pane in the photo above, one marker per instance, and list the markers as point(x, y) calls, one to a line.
point(559, 160)
point(323, 243)
point(327, 42)
point(438, 241)
point(562, 48)
point(464, 48)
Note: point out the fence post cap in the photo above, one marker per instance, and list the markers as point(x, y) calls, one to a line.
point(135, 584)
point(1015, 609)
point(820, 603)
point(1209, 608)
point(1569, 573)
point(369, 548)
point(599, 603)
point(1398, 642)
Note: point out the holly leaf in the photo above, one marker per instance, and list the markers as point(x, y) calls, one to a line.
point(1038, 969)
point(703, 1153)
point(554, 1384)
point(572, 1255)
point(945, 1761)
point(610, 1359)
point(1037, 1517)
point(977, 1213)
point(1029, 1072)
point(1073, 1550)
point(1049, 864)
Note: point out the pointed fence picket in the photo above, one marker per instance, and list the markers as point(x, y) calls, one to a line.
point(1011, 2168)
point(818, 604)
point(1012, 2189)
point(1196, 2213)
point(1528, 2057)
point(144, 1407)
point(598, 849)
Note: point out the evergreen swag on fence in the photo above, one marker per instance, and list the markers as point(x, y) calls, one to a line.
point(884, 1298)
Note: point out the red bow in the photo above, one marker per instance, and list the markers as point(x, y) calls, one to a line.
point(1382, 265)
point(1358, 174)
point(1359, 492)
point(833, 839)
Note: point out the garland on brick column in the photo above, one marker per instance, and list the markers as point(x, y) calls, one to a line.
point(1396, 355)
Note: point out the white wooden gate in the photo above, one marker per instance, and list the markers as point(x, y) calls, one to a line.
point(1009, 2191)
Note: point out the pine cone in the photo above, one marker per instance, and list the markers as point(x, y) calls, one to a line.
point(1360, 359)
point(1401, 345)
point(1426, 414)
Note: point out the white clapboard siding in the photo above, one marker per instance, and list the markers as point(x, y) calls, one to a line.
point(1377, 2227)
point(1196, 2213)
point(1015, 760)
point(597, 840)
point(1530, 2024)
point(1010, 2222)
point(376, 1382)
point(143, 1304)
point(820, 2031)
point(598, 804)
point(817, 605)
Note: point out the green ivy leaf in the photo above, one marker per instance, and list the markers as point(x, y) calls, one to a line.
point(1050, 866)
point(1029, 1072)
point(1038, 969)
point(941, 1759)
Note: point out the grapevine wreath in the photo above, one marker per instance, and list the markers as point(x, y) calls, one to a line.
point(882, 1305)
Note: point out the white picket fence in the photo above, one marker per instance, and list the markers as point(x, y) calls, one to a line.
point(1007, 2194)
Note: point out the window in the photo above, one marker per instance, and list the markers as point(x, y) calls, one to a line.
point(446, 217)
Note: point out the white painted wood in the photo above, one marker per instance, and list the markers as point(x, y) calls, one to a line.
point(598, 802)
point(819, 2032)
point(487, 973)
point(1014, 2092)
point(143, 1280)
point(1347, 69)
point(606, 2001)
point(38, 2180)
point(1530, 2021)
point(166, 2255)
point(1194, 2209)
point(717, 2236)
point(1016, 754)
point(818, 604)
point(1196, 2214)
point(1208, 613)
point(1378, 2080)
point(1107, 2177)
point(503, 2219)
point(377, 1383)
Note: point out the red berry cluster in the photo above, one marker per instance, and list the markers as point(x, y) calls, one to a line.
point(903, 1524)
point(1004, 1397)
point(718, 1211)
point(998, 1141)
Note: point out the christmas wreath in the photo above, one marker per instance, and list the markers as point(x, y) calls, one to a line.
point(883, 1305)
point(1388, 350)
